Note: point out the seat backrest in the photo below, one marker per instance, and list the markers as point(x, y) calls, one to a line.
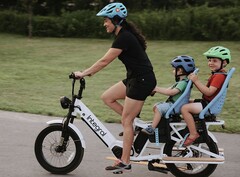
point(215, 106)
point(183, 99)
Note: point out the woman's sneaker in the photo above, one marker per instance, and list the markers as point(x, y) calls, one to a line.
point(119, 167)
point(149, 130)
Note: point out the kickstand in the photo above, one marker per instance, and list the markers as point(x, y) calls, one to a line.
point(158, 169)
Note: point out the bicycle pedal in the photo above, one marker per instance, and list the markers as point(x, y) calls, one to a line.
point(118, 172)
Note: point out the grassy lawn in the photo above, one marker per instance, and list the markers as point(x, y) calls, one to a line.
point(34, 74)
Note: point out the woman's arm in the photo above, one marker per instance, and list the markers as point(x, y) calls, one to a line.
point(111, 54)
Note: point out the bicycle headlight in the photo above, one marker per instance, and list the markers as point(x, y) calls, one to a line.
point(65, 102)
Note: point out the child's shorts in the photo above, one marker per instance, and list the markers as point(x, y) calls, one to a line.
point(163, 107)
point(202, 101)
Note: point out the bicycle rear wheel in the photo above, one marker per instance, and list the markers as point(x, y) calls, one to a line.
point(190, 169)
point(48, 155)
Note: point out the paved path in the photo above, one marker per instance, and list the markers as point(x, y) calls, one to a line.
point(18, 132)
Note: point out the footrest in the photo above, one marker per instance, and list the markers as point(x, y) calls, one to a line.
point(193, 160)
point(141, 162)
point(152, 167)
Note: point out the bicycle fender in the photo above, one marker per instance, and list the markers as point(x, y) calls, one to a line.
point(75, 129)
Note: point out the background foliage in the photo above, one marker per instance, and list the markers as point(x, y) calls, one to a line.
point(158, 19)
point(193, 23)
point(56, 7)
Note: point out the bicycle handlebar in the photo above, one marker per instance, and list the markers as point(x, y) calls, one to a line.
point(72, 76)
point(82, 84)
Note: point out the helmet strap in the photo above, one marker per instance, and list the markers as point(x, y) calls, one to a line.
point(116, 24)
point(177, 76)
point(219, 68)
point(115, 27)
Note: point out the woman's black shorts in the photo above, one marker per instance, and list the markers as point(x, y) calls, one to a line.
point(141, 87)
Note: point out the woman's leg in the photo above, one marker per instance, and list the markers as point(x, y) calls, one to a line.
point(114, 93)
point(130, 111)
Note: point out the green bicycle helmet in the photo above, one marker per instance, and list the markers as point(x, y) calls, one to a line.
point(113, 9)
point(218, 52)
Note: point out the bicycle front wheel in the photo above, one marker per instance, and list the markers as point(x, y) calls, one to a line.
point(48, 154)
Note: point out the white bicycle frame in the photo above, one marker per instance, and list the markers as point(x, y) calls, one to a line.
point(80, 109)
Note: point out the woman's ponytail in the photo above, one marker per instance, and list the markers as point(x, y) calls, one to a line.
point(133, 29)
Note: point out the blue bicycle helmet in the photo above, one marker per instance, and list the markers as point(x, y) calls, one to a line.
point(184, 61)
point(112, 10)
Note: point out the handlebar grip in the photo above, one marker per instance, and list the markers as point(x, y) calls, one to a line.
point(72, 76)
point(196, 71)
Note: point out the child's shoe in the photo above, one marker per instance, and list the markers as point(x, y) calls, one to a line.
point(189, 140)
point(149, 130)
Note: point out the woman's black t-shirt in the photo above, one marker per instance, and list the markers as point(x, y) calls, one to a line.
point(133, 55)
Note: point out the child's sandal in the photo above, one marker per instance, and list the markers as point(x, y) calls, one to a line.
point(189, 140)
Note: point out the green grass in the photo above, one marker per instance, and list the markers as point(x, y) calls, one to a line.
point(34, 74)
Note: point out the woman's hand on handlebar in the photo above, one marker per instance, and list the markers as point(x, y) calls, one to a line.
point(78, 75)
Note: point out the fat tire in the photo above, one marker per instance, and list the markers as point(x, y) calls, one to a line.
point(207, 171)
point(41, 158)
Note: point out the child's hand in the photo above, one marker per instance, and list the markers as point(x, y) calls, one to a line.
point(156, 89)
point(153, 93)
point(193, 77)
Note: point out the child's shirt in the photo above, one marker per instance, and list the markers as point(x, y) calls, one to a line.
point(181, 86)
point(215, 80)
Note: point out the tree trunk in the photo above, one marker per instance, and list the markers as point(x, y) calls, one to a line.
point(30, 14)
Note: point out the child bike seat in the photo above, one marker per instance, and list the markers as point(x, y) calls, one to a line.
point(175, 109)
point(215, 106)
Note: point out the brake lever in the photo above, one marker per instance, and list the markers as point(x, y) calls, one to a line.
point(72, 76)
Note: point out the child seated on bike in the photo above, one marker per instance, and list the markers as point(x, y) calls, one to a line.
point(218, 57)
point(182, 65)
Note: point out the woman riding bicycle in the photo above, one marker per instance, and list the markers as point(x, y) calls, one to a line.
point(129, 46)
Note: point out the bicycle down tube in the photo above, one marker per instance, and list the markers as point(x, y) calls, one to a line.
point(95, 124)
